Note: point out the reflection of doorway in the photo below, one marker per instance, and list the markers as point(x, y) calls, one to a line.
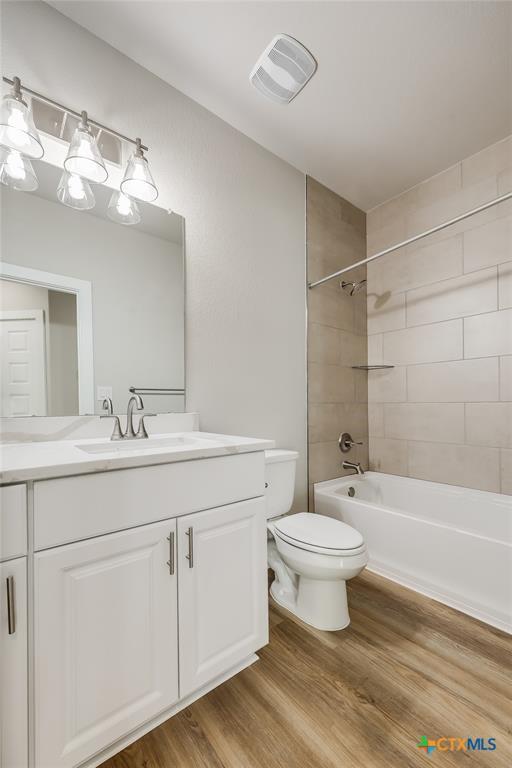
point(23, 370)
point(73, 320)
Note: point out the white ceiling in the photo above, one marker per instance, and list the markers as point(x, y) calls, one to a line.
point(402, 91)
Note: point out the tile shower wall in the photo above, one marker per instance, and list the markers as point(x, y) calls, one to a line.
point(441, 312)
point(337, 394)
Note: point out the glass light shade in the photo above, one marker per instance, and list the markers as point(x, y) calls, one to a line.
point(84, 158)
point(17, 129)
point(16, 171)
point(123, 209)
point(75, 192)
point(138, 181)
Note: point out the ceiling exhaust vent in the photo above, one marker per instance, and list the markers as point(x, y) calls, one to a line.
point(283, 69)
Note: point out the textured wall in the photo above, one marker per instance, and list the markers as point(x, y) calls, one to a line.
point(244, 211)
point(441, 312)
point(337, 395)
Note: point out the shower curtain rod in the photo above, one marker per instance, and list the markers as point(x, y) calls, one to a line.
point(410, 240)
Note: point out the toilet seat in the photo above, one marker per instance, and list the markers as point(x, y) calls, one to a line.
point(320, 534)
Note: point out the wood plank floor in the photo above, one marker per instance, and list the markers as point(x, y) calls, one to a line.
point(360, 698)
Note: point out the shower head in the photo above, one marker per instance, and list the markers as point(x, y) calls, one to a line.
point(352, 288)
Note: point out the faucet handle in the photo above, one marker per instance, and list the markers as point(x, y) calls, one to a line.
point(108, 406)
point(345, 442)
point(141, 431)
point(117, 433)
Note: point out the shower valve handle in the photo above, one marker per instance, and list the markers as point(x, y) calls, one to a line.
point(345, 442)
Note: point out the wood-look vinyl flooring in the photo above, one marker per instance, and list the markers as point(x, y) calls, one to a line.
point(360, 698)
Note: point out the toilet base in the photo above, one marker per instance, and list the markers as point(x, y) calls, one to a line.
point(321, 604)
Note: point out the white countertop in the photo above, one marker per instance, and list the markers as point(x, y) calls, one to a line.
point(20, 462)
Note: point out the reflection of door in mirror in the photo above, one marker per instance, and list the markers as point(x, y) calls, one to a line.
point(38, 349)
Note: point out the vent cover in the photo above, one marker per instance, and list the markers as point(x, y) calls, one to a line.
point(283, 69)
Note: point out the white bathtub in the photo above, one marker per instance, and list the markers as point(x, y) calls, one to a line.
point(453, 544)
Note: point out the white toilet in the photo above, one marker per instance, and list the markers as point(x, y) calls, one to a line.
point(311, 555)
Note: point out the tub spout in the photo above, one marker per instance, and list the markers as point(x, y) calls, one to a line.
point(358, 470)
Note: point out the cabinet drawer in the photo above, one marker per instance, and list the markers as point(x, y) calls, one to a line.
point(74, 508)
point(13, 521)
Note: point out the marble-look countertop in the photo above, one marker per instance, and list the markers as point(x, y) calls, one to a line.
point(20, 462)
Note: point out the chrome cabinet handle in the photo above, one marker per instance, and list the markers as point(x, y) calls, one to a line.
point(11, 605)
point(190, 556)
point(170, 561)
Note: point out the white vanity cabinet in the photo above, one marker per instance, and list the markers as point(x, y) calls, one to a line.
point(13, 628)
point(222, 590)
point(13, 664)
point(130, 626)
point(106, 641)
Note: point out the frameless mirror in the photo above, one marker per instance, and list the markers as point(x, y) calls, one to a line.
point(88, 307)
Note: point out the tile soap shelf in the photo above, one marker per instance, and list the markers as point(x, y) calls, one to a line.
point(371, 367)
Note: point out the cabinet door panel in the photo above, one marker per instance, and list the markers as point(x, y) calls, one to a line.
point(223, 592)
point(13, 665)
point(105, 640)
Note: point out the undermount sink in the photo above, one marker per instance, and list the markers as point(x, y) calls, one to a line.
point(151, 444)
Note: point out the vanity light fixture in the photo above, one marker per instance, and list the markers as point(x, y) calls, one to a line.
point(138, 181)
point(84, 158)
point(16, 171)
point(123, 209)
point(75, 192)
point(20, 140)
point(17, 128)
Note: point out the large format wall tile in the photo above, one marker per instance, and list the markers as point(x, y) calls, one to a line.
point(488, 335)
point(459, 297)
point(488, 163)
point(337, 333)
point(388, 456)
point(375, 349)
point(505, 285)
point(505, 378)
point(323, 344)
point(488, 245)
point(489, 424)
point(330, 384)
point(333, 309)
point(376, 419)
point(444, 412)
point(414, 266)
point(455, 382)
point(387, 386)
point(506, 471)
point(466, 465)
point(424, 344)
point(438, 422)
point(386, 312)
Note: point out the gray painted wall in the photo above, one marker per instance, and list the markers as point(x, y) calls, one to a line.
point(244, 211)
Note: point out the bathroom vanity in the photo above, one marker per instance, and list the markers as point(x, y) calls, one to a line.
point(133, 581)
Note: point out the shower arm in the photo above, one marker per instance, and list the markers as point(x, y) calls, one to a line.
point(410, 240)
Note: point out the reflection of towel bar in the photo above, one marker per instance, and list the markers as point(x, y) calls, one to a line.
point(155, 391)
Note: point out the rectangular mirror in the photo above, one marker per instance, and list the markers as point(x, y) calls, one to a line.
point(88, 307)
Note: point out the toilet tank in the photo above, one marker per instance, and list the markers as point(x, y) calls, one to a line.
point(279, 481)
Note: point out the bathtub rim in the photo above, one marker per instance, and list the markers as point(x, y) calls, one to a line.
point(326, 489)
point(503, 499)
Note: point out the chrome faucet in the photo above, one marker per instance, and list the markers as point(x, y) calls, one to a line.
point(129, 434)
point(134, 401)
point(358, 470)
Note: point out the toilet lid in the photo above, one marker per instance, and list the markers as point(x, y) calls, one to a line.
point(319, 531)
